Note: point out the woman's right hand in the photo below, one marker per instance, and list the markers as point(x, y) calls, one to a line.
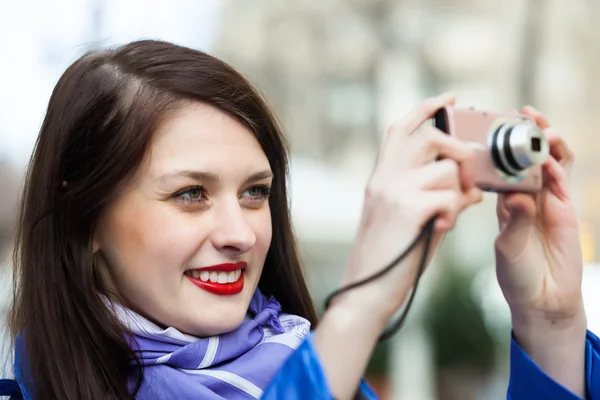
point(407, 188)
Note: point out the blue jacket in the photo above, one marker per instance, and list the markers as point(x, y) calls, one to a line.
point(302, 377)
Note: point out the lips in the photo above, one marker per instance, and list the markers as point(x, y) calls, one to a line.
point(222, 279)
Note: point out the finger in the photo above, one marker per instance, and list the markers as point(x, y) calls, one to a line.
point(539, 118)
point(441, 204)
point(514, 237)
point(501, 210)
point(443, 174)
point(431, 144)
point(446, 205)
point(522, 209)
point(446, 222)
point(555, 178)
point(419, 115)
point(471, 197)
point(560, 150)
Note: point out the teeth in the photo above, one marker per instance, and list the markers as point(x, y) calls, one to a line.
point(232, 276)
point(204, 276)
point(216, 277)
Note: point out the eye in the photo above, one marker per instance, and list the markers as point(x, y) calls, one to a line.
point(258, 192)
point(193, 194)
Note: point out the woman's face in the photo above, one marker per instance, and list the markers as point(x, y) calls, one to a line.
point(186, 244)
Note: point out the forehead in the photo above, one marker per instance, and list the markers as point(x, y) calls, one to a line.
point(198, 135)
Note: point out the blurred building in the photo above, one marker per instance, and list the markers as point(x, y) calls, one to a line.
point(338, 73)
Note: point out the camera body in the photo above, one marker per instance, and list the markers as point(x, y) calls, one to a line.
point(509, 148)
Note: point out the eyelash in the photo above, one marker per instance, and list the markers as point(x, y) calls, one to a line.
point(264, 193)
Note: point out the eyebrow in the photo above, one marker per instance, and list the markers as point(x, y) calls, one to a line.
point(210, 177)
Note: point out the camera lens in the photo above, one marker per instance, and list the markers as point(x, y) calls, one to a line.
point(518, 145)
point(536, 144)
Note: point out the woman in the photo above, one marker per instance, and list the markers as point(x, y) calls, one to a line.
point(155, 256)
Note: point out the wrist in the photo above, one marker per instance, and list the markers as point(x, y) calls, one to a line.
point(542, 324)
point(374, 302)
point(555, 345)
point(534, 334)
point(370, 304)
point(354, 309)
point(344, 340)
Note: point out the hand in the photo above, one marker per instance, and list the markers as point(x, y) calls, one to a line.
point(407, 188)
point(538, 252)
point(539, 268)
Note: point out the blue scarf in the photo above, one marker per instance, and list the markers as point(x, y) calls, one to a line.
point(236, 365)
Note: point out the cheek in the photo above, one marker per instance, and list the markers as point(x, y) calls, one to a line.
point(148, 242)
point(264, 233)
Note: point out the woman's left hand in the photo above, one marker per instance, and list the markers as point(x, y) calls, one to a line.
point(539, 267)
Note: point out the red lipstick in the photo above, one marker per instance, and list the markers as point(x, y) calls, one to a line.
point(223, 289)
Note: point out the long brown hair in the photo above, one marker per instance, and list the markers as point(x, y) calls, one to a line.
point(97, 130)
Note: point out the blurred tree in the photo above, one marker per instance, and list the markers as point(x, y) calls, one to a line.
point(463, 346)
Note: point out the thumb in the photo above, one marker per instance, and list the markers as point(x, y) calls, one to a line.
point(522, 211)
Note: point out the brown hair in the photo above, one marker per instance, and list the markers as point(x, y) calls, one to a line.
point(97, 130)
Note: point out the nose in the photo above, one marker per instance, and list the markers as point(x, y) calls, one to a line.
point(232, 234)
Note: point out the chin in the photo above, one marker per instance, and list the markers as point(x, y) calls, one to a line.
point(223, 327)
point(211, 314)
point(216, 327)
point(216, 319)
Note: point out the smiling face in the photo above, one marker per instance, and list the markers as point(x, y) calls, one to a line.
point(200, 201)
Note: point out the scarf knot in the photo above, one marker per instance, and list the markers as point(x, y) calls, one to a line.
point(267, 312)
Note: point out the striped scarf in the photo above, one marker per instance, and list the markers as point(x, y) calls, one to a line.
point(236, 365)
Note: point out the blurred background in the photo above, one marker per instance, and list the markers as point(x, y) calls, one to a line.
point(337, 73)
